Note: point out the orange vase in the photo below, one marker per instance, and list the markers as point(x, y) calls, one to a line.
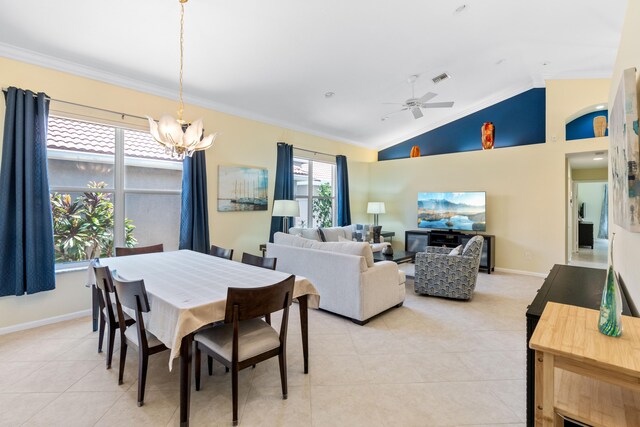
point(415, 151)
point(488, 133)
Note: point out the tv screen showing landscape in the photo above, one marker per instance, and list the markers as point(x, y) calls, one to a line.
point(464, 211)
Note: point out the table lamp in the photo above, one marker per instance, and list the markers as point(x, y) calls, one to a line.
point(375, 208)
point(286, 209)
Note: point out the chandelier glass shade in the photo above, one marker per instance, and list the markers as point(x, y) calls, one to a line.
point(180, 138)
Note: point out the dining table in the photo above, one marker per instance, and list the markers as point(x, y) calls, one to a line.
point(187, 291)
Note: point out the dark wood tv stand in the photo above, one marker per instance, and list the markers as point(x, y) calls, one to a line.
point(418, 240)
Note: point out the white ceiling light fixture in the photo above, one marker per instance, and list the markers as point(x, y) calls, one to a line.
point(329, 94)
point(179, 137)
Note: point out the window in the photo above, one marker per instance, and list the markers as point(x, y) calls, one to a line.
point(110, 187)
point(315, 191)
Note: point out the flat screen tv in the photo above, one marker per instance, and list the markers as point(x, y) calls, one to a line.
point(465, 211)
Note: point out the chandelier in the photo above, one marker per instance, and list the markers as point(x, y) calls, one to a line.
point(179, 137)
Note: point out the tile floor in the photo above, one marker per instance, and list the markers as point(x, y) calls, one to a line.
point(594, 258)
point(431, 362)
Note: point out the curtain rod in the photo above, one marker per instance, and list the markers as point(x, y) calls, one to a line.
point(119, 113)
point(314, 152)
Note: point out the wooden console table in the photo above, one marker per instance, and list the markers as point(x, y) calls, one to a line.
point(598, 376)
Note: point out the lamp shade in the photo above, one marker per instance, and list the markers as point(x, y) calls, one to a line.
point(286, 208)
point(375, 208)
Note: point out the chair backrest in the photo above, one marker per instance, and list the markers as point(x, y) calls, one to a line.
point(104, 283)
point(132, 294)
point(221, 252)
point(121, 251)
point(259, 261)
point(473, 248)
point(257, 302)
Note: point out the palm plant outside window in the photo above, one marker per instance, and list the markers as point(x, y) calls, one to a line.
point(109, 186)
point(314, 183)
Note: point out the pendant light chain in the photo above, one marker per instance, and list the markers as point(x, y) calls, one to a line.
point(181, 58)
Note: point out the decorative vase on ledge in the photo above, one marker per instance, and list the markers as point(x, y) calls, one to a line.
point(610, 320)
point(488, 134)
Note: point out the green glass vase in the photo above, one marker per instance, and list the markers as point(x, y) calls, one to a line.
point(610, 320)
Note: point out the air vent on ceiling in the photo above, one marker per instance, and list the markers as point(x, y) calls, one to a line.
point(441, 77)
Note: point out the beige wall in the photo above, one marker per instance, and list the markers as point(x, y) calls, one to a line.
point(597, 174)
point(627, 245)
point(526, 186)
point(242, 142)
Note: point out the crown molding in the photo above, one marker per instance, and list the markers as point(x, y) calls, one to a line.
point(58, 64)
point(474, 108)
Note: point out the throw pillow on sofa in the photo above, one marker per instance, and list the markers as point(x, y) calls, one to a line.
point(456, 251)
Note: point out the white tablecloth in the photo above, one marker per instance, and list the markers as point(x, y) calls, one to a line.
point(188, 290)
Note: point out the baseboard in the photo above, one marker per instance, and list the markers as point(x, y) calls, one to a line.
point(522, 272)
point(43, 322)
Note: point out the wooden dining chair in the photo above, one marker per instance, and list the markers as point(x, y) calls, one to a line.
point(221, 252)
point(259, 261)
point(133, 295)
point(123, 251)
point(245, 339)
point(107, 302)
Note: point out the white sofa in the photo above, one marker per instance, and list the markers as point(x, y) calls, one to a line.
point(336, 234)
point(349, 282)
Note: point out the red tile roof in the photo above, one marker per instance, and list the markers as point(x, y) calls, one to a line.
point(78, 136)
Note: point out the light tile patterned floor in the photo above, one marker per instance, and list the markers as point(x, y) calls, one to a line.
point(432, 362)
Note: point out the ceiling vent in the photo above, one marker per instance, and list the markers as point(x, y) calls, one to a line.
point(441, 77)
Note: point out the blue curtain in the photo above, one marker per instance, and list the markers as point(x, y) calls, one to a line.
point(27, 260)
point(603, 230)
point(342, 190)
point(194, 215)
point(284, 182)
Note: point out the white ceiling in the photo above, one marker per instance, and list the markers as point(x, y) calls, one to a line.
point(591, 160)
point(274, 60)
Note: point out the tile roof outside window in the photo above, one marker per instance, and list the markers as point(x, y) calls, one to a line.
point(85, 137)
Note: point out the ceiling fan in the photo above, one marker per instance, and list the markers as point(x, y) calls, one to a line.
point(417, 104)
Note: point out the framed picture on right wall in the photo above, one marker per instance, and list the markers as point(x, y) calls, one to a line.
point(625, 154)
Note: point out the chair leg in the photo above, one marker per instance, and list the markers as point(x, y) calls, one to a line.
point(110, 343)
point(197, 357)
point(123, 358)
point(143, 362)
point(282, 358)
point(101, 332)
point(234, 392)
point(210, 364)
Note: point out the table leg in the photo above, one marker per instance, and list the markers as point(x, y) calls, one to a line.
point(544, 398)
point(185, 379)
point(95, 309)
point(304, 326)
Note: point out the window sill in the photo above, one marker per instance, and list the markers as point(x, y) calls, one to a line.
point(71, 267)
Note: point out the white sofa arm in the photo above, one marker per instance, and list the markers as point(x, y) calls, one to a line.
point(375, 289)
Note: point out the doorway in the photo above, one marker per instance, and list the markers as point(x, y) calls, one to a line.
point(589, 210)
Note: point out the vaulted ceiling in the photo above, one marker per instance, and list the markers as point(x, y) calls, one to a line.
point(275, 60)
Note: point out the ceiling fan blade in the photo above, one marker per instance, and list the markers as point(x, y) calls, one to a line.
point(428, 96)
point(416, 112)
point(438, 105)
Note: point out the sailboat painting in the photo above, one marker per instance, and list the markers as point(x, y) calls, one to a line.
point(242, 188)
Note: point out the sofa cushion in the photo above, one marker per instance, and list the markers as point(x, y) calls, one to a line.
point(333, 234)
point(456, 251)
point(280, 238)
point(352, 248)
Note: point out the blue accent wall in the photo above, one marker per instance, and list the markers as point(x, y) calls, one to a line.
point(519, 120)
point(582, 127)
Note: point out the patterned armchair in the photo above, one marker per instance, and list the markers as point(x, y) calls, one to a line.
point(444, 275)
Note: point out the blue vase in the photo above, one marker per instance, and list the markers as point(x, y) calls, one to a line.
point(610, 320)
